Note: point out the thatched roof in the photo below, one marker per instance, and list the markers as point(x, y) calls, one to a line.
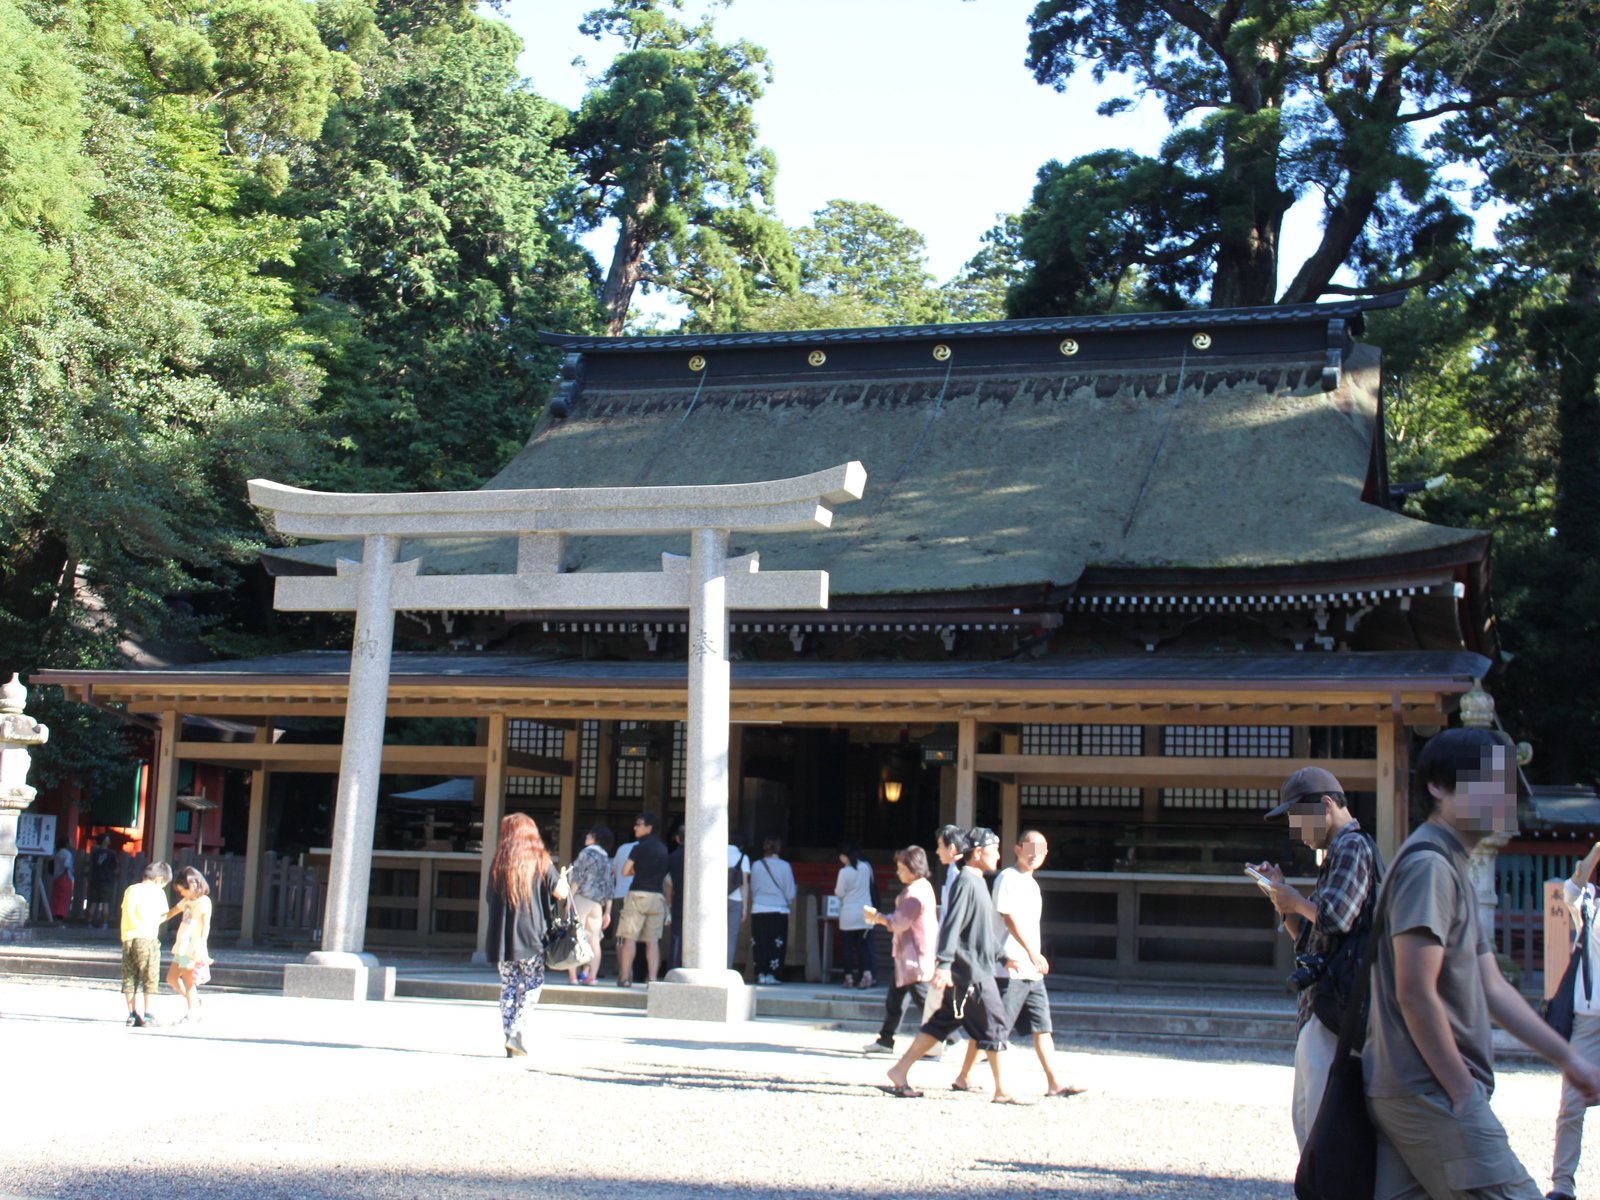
point(1004, 462)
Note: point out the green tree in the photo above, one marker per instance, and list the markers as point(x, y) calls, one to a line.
point(166, 370)
point(665, 142)
point(979, 291)
point(258, 66)
point(1269, 100)
point(44, 177)
point(432, 259)
point(862, 253)
point(1539, 147)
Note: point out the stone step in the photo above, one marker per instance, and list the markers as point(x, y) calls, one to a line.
point(253, 978)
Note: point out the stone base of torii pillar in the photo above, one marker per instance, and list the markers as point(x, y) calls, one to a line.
point(339, 975)
point(690, 994)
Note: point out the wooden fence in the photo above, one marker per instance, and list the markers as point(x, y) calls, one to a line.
point(289, 904)
point(1519, 881)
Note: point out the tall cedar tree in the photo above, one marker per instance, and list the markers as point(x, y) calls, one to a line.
point(1269, 100)
point(666, 143)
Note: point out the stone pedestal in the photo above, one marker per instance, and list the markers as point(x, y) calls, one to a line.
point(18, 732)
point(691, 994)
point(338, 975)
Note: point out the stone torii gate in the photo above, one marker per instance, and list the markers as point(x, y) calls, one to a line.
point(708, 584)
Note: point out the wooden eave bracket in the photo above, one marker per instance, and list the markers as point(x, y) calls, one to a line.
point(1333, 359)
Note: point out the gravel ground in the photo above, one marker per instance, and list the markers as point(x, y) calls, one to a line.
point(273, 1097)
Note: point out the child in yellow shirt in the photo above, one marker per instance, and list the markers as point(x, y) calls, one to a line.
point(144, 907)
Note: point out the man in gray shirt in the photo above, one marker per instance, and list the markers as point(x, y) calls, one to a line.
point(1429, 1063)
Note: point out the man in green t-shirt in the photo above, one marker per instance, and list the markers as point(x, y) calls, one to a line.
point(1429, 1062)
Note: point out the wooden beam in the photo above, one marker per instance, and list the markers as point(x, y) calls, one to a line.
point(966, 772)
point(1392, 786)
point(568, 807)
point(321, 758)
point(1357, 774)
point(1010, 797)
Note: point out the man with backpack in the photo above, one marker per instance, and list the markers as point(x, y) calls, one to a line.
point(1329, 927)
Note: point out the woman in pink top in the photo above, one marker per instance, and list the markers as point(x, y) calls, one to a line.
point(915, 925)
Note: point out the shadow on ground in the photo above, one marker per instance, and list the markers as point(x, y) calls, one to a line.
point(244, 1182)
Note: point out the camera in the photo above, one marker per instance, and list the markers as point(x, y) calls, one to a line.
point(1308, 968)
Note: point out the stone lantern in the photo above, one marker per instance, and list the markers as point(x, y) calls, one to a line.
point(18, 733)
point(1477, 712)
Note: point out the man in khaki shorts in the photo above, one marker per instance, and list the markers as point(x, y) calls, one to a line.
point(644, 911)
point(1428, 1060)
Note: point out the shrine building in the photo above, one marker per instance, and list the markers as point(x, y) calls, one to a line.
point(1112, 578)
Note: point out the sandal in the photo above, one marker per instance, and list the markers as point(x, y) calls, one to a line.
point(900, 1092)
point(962, 1087)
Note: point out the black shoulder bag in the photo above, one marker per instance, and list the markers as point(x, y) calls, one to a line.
point(1332, 992)
point(1340, 1159)
point(1557, 1010)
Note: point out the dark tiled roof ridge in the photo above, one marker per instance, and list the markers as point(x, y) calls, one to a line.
point(1271, 314)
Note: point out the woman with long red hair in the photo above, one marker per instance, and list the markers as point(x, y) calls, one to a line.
point(523, 886)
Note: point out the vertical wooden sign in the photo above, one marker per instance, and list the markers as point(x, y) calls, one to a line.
point(1558, 934)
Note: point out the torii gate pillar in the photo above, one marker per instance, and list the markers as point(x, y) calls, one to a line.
point(712, 584)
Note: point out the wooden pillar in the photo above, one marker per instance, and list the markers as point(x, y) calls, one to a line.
point(1394, 769)
point(736, 783)
point(568, 813)
point(253, 849)
point(967, 772)
point(1010, 797)
point(165, 801)
point(494, 804)
point(1150, 745)
point(605, 773)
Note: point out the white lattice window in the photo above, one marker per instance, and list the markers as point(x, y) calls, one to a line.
point(629, 779)
point(1083, 739)
point(530, 737)
point(679, 782)
point(588, 758)
point(1031, 795)
point(1227, 741)
point(1218, 799)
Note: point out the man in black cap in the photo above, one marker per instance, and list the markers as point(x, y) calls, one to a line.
point(1329, 928)
point(970, 951)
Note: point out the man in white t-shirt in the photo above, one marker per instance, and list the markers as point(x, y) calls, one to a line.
point(738, 897)
point(1027, 1005)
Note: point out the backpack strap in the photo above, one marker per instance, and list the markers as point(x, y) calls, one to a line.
point(1354, 1030)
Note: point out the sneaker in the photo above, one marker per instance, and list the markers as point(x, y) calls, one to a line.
point(148, 1020)
point(877, 1048)
point(765, 979)
point(133, 1020)
point(866, 980)
point(849, 980)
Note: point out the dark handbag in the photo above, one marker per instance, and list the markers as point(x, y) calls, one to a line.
point(1557, 1010)
point(1340, 1158)
point(566, 947)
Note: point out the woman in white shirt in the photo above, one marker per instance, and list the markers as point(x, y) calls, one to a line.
point(854, 889)
point(772, 892)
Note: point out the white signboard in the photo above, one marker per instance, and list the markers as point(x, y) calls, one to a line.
point(36, 834)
